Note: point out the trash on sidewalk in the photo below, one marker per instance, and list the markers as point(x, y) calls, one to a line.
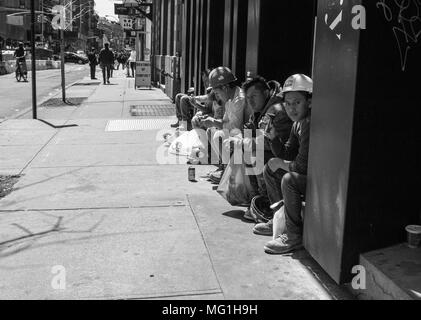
point(192, 144)
point(279, 223)
point(235, 186)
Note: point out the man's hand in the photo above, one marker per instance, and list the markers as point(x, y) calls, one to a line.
point(270, 133)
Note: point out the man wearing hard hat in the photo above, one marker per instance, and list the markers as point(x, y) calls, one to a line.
point(297, 92)
point(223, 84)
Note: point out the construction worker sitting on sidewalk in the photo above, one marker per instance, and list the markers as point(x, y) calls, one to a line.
point(287, 180)
point(265, 100)
point(211, 116)
point(223, 83)
point(186, 104)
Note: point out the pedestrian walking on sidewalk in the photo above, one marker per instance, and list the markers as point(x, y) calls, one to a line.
point(93, 62)
point(132, 63)
point(106, 61)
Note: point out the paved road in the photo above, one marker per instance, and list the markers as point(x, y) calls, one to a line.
point(16, 97)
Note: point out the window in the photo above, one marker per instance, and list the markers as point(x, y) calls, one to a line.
point(22, 4)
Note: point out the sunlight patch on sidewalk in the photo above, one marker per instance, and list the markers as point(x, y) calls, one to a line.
point(138, 124)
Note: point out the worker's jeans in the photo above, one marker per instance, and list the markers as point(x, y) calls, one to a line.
point(293, 189)
point(273, 182)
point(183, 107)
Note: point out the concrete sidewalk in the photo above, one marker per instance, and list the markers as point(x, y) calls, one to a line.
point(122, 225)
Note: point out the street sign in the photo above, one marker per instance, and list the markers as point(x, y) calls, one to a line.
point(143, 74)
point(130, 3)
point(15, 20)
point(120, 9)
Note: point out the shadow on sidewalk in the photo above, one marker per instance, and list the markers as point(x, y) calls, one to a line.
point(29, 241)
point(237, 214)
point(337, 292)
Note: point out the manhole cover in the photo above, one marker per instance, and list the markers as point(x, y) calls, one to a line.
point(166, 110)
point(138, 125)
point(58, 102)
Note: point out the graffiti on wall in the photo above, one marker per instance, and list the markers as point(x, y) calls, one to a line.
point(405, 20)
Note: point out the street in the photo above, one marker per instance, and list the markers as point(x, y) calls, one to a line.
point(17, 96)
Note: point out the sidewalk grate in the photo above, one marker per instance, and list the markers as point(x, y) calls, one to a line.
point(58, 102)
point(166, 110)
point(138, 125)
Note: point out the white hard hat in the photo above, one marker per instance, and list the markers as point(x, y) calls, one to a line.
point(298, 82)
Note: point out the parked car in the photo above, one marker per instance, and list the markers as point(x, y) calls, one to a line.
point(81, 53)
point(75, 58)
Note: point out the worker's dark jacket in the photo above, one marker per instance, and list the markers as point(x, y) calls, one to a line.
point(106, 57)
point(296, 148)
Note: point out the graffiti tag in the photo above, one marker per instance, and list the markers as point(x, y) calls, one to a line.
point(404, 16)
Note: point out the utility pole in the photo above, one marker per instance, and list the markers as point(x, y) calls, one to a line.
point(34, 78)
point(63, 78)
point(42, 23)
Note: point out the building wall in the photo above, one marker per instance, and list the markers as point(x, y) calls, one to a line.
point(238, 34)
point(16, 33)
point(364, 159)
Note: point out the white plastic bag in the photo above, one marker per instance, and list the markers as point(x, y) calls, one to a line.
point(189, 142)
point(279, 223)
point(235, 185)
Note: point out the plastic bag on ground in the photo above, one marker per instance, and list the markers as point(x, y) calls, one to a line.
point(235, 185)
point(189, 142)
point(279, 223)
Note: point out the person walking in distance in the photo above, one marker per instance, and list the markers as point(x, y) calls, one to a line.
point(106, 60)
point(93, 62)
point(132, 63)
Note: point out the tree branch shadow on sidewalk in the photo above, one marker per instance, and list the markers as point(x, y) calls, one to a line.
point(67, 241)
point(30, 239)
point(54, 177)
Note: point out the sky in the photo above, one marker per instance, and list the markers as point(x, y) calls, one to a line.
point(105, 7)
